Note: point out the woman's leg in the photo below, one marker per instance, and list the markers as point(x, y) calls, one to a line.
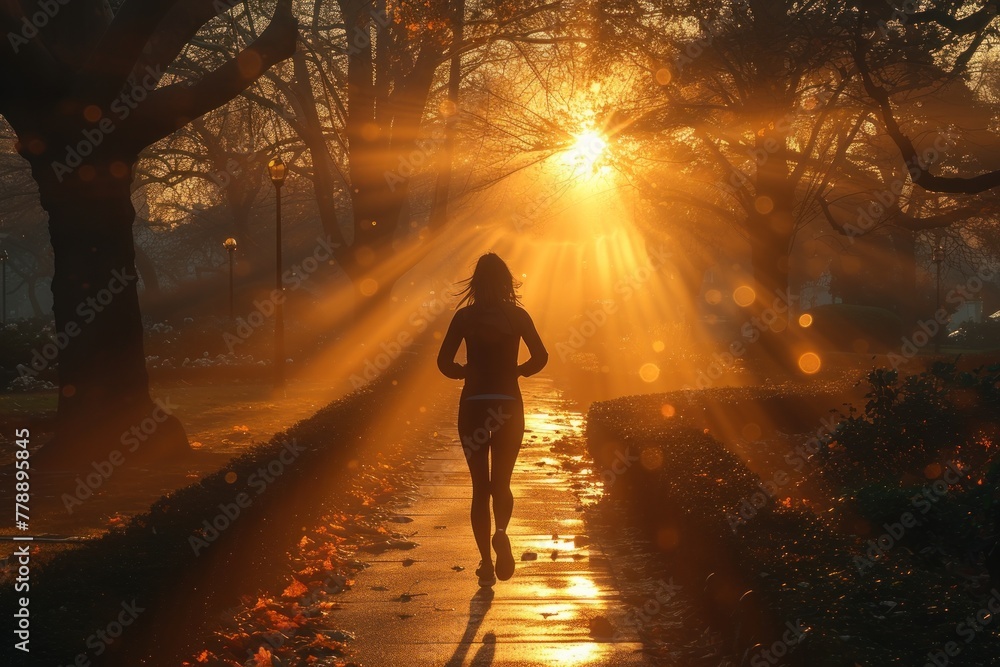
point(475, 445)
point(505, 445)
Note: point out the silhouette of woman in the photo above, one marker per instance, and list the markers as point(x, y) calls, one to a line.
point(490, 412)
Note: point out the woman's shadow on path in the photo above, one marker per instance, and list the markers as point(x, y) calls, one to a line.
point(479, 605)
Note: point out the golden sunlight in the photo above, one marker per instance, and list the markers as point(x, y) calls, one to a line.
point(585, 154)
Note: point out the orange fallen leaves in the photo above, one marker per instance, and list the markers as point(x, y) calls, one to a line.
point(295, 590)
point(279, 621)
point(263, 658)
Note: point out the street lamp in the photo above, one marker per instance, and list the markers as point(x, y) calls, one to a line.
point(3, 260)
point(230, 245)
point(938, 258)
point(278, 171)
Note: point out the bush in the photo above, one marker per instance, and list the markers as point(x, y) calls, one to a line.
point(851, 328)
point(956, 527)
point(684, 488)
point(18, 343)
point(913, 422)
point(885, 458)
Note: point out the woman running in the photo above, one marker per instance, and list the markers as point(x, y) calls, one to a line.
point(490, 413)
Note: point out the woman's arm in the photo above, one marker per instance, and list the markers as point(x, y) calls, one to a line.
point(449, 348)
point(539, 356)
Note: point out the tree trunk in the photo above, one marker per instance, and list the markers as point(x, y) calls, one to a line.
point(770, 241)
point(36, 308)
point(147, 271)
point(103, 384)
point(904, 246)
point(446, 158)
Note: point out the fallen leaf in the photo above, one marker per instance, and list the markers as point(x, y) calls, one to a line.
point(295, 590)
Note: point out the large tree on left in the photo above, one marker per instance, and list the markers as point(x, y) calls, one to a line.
point(83, 83)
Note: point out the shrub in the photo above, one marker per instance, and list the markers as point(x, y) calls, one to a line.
point(912, 422)
point(19, 341)
point(685, 485)
point(884, 458)
point(953, 527)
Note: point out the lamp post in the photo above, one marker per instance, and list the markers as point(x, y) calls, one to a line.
point(278, 172)
point(938, 258)
point(3, 260)
point(230, 245)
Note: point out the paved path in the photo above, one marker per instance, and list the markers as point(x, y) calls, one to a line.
point(412, 608)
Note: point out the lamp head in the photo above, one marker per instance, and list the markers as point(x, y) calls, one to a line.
point(276, 167)
point(230, 244)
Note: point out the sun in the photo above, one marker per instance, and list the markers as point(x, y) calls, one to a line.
point(587, 151)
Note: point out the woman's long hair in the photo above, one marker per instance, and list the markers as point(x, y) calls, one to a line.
point(491, 283)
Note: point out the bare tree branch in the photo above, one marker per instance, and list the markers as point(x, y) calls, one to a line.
point(919, 172)
point(181, 102)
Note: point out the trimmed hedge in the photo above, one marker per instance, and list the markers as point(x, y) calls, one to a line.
point(151, 558)
point(798, 567)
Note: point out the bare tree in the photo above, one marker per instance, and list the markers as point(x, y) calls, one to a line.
point(950, 36)
point(85, 91)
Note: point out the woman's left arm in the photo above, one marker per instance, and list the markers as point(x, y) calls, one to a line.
point(539, 356)
point(449, 348)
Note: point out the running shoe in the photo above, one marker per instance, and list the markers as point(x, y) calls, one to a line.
point(486, 575)
point(505, 559)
